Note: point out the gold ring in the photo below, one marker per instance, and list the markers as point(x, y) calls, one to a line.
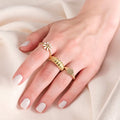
point(46, 46)
point(70, 72)
point(56, 61)
point(61, 66)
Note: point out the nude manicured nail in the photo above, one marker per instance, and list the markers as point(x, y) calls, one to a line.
point(18, 79)
point(62, 104)
point(25, 103)
point(25, 44)
point(41, 107)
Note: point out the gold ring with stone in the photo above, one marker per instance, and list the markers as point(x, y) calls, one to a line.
point(61, 66)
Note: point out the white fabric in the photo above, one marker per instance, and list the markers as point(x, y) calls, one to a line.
point(101, 98)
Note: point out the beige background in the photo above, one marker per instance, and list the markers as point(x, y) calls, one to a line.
point(101, 98)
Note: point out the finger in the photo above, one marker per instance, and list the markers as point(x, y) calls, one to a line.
point(34, 38)
point(33, 61)
point(43, 78)
point(76, 88)
point(57, 87)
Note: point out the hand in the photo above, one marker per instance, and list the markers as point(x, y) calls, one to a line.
point(80, 43)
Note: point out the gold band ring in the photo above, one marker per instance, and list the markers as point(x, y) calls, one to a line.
point(56, 61)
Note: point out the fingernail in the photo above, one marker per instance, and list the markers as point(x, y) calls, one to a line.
point(41, 107)
point(62, 104)
point(25, 44)
point(18, 79)
point(25, 103)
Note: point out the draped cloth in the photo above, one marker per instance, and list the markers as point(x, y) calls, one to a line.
point(100, 100)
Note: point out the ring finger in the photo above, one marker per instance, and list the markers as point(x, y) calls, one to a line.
point(58, 86)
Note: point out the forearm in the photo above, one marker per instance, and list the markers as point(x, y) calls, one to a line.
point(111, 7)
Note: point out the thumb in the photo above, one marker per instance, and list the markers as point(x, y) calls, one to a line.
point(34, 39)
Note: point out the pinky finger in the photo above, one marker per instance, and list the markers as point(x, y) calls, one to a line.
point(76, 88)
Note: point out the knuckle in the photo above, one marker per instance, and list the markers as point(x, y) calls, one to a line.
point(111, 24)
point(74, 45)
point(47, 74)
point(57, 36)
point(55, 26)
point(60, 26)
point(65, 79)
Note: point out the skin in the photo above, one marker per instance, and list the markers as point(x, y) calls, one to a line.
point(80, 43)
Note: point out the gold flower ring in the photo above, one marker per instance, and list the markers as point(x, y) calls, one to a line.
point(56, 61)
point(46, 46)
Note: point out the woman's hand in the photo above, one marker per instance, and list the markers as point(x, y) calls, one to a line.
point(80, 43)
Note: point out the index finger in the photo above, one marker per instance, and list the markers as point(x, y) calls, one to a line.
point(31, 63)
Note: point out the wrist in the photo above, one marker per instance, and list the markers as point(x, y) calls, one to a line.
point(109, 9)
point(100, 17)
point(101, 5)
